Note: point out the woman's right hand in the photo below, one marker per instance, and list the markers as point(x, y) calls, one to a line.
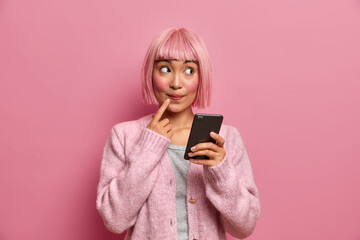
point(162, 127)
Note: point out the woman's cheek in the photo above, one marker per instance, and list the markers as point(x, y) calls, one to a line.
point(192, 86)
point(159, 84)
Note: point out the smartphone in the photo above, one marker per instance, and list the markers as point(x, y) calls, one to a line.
point(201, 127)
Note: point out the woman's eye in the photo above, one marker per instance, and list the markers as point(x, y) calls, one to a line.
point(189, 71)
point(164, 69)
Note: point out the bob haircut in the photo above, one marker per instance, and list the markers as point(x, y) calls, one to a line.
point(179, 44)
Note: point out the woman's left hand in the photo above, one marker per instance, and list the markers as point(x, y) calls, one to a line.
point(215, 152)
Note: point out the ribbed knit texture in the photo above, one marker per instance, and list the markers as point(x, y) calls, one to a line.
point(137, 187)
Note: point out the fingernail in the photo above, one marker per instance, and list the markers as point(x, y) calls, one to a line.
point(190, 154)
point(193, 148)
point(213, 134)
point(167, 100)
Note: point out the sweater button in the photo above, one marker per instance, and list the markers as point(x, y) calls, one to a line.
point(192, 201)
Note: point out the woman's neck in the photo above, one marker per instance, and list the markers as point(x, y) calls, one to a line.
point(180, 120)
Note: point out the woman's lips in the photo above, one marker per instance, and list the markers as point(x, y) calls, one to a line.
point(175, 97)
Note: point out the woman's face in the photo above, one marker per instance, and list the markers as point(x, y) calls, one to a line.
point(177, 80)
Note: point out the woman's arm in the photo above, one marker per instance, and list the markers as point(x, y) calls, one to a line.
point(126, 180)
point(231, 188)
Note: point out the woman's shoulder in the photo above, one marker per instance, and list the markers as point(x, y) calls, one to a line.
point(132, 126)
point(230, 133)
point(228, 129)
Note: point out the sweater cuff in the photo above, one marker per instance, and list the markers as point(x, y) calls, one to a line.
point(153, 141)
point(220, 172)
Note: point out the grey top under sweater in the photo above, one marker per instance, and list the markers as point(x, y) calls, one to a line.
point(180, 167)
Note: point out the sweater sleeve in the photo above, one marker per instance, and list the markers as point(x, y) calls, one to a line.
point(231, 188)
point(127, 178)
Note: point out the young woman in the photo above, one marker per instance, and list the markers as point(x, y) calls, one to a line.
point(146, 186)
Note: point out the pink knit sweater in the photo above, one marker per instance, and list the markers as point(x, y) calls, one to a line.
point(137, 187)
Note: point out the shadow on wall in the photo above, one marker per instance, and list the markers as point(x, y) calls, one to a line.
point(140, 110)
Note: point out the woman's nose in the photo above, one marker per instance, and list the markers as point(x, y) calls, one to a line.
point(175, 82)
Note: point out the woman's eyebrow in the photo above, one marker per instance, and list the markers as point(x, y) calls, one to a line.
point(170, 60)
point(194, 61)
point(164, 60)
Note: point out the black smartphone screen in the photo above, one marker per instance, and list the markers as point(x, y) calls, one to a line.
point(201, 127)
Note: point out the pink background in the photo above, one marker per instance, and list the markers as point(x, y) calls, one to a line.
point(286, 73)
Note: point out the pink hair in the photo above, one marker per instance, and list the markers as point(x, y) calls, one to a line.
point(180, 44)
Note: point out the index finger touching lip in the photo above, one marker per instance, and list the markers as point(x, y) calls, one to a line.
point(161, 110)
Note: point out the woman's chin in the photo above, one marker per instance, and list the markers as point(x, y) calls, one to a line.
point(175, 108)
